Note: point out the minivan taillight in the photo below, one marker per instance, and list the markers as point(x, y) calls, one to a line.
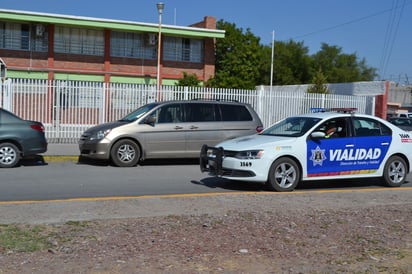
point(37, 127)
point(259, 129)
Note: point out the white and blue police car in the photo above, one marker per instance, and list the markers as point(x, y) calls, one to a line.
point(322, 145)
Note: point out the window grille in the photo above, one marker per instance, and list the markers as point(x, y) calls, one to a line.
point(16, 36)
point(133, 45)
point(79, 41)
point(183, 49)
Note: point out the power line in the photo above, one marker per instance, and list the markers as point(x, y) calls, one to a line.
point(390, 36)
point(349, 22)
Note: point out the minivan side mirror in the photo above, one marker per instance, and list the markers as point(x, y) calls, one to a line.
point(150, 120)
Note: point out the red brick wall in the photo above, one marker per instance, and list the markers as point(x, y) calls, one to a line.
point(105, 65)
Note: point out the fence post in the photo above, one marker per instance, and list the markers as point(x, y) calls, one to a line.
point(260, 94)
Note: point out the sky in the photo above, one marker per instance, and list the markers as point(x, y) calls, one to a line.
point(379, 31)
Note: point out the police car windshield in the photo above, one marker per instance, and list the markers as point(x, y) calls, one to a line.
point(291, 127)
point(133, 116)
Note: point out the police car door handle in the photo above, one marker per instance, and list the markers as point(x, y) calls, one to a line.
point(385, 144)
point(194, 127)
point(178, 127)
point(350, 145)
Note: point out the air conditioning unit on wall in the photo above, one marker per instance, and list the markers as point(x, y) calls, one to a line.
point(151, 39)
point(40, 29)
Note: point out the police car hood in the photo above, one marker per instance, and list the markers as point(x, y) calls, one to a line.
point(256, 141)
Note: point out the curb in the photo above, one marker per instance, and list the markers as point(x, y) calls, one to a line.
point(61, 158)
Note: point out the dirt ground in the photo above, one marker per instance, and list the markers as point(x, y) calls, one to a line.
point(347, 235)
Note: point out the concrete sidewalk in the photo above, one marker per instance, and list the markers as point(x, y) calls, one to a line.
point(62, 150)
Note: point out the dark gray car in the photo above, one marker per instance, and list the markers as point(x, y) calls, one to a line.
point(19, 138)
point(170, 129)
point(402, 122)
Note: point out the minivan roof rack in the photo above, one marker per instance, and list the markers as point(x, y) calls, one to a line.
point(215, 99)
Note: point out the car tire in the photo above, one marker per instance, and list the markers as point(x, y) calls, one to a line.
point(9, 155)
point(125, 153)
point(284, 175)
point(395, 171)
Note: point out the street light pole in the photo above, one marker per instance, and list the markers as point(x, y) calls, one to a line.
point(160, 7)
point(271, 63)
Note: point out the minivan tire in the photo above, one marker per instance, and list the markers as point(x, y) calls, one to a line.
point(125, 153)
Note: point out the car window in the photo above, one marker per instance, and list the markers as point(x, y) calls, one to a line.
point(168, 114)
point(8, 117)
point(370, 127)
point(401, 122)
point(292, 126)
point(235, 113)
point(334, 128)
point(197, 112)
point(136, 114)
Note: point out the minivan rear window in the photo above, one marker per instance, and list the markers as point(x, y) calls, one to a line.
point(235, 113)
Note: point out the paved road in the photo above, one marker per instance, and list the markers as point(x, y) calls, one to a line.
point(52, 180)
point(58, 191)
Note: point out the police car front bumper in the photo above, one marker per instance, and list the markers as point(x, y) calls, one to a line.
point(211, 161)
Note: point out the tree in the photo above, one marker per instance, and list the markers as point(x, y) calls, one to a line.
point(341, 68)
point(243, 63)
point(188, 80)
point(237, 58)
point(291, 64)
point(318, 83)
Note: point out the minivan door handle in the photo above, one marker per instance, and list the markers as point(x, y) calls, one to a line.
point(194, 127)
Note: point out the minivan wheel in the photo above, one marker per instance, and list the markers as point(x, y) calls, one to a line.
point(395, 171)
point(9, 155)
point(284, 175)
point(125, 153)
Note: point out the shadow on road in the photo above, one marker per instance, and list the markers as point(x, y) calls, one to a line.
point(152, 162)
point(35, 160)
point(216, 182)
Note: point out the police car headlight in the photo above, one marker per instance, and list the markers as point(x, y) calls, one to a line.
point(100, 134)
point(250, 154)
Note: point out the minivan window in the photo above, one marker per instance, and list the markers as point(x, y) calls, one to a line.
point(201, 112)
point(235, 113)
point(168, 114)
point(133, 116)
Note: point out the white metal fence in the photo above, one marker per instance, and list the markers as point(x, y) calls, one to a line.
point(67, 108)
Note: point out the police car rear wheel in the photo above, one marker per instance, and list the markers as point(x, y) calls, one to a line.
point(395, 172)
point(284, 175)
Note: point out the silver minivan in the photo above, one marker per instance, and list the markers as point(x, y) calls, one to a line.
point(169, 129)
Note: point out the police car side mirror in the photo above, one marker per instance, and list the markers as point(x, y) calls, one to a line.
point(317, 135)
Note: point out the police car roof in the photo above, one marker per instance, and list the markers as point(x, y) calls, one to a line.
point(338, 112)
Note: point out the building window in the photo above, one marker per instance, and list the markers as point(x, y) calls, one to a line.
point(183, 49)
point(134, 45)
point(79, 41)
point(23, 37)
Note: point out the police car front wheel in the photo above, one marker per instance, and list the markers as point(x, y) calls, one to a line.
point(284, 175)
point(395, 171)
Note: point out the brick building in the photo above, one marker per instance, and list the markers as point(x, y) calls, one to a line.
point(62, 47)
